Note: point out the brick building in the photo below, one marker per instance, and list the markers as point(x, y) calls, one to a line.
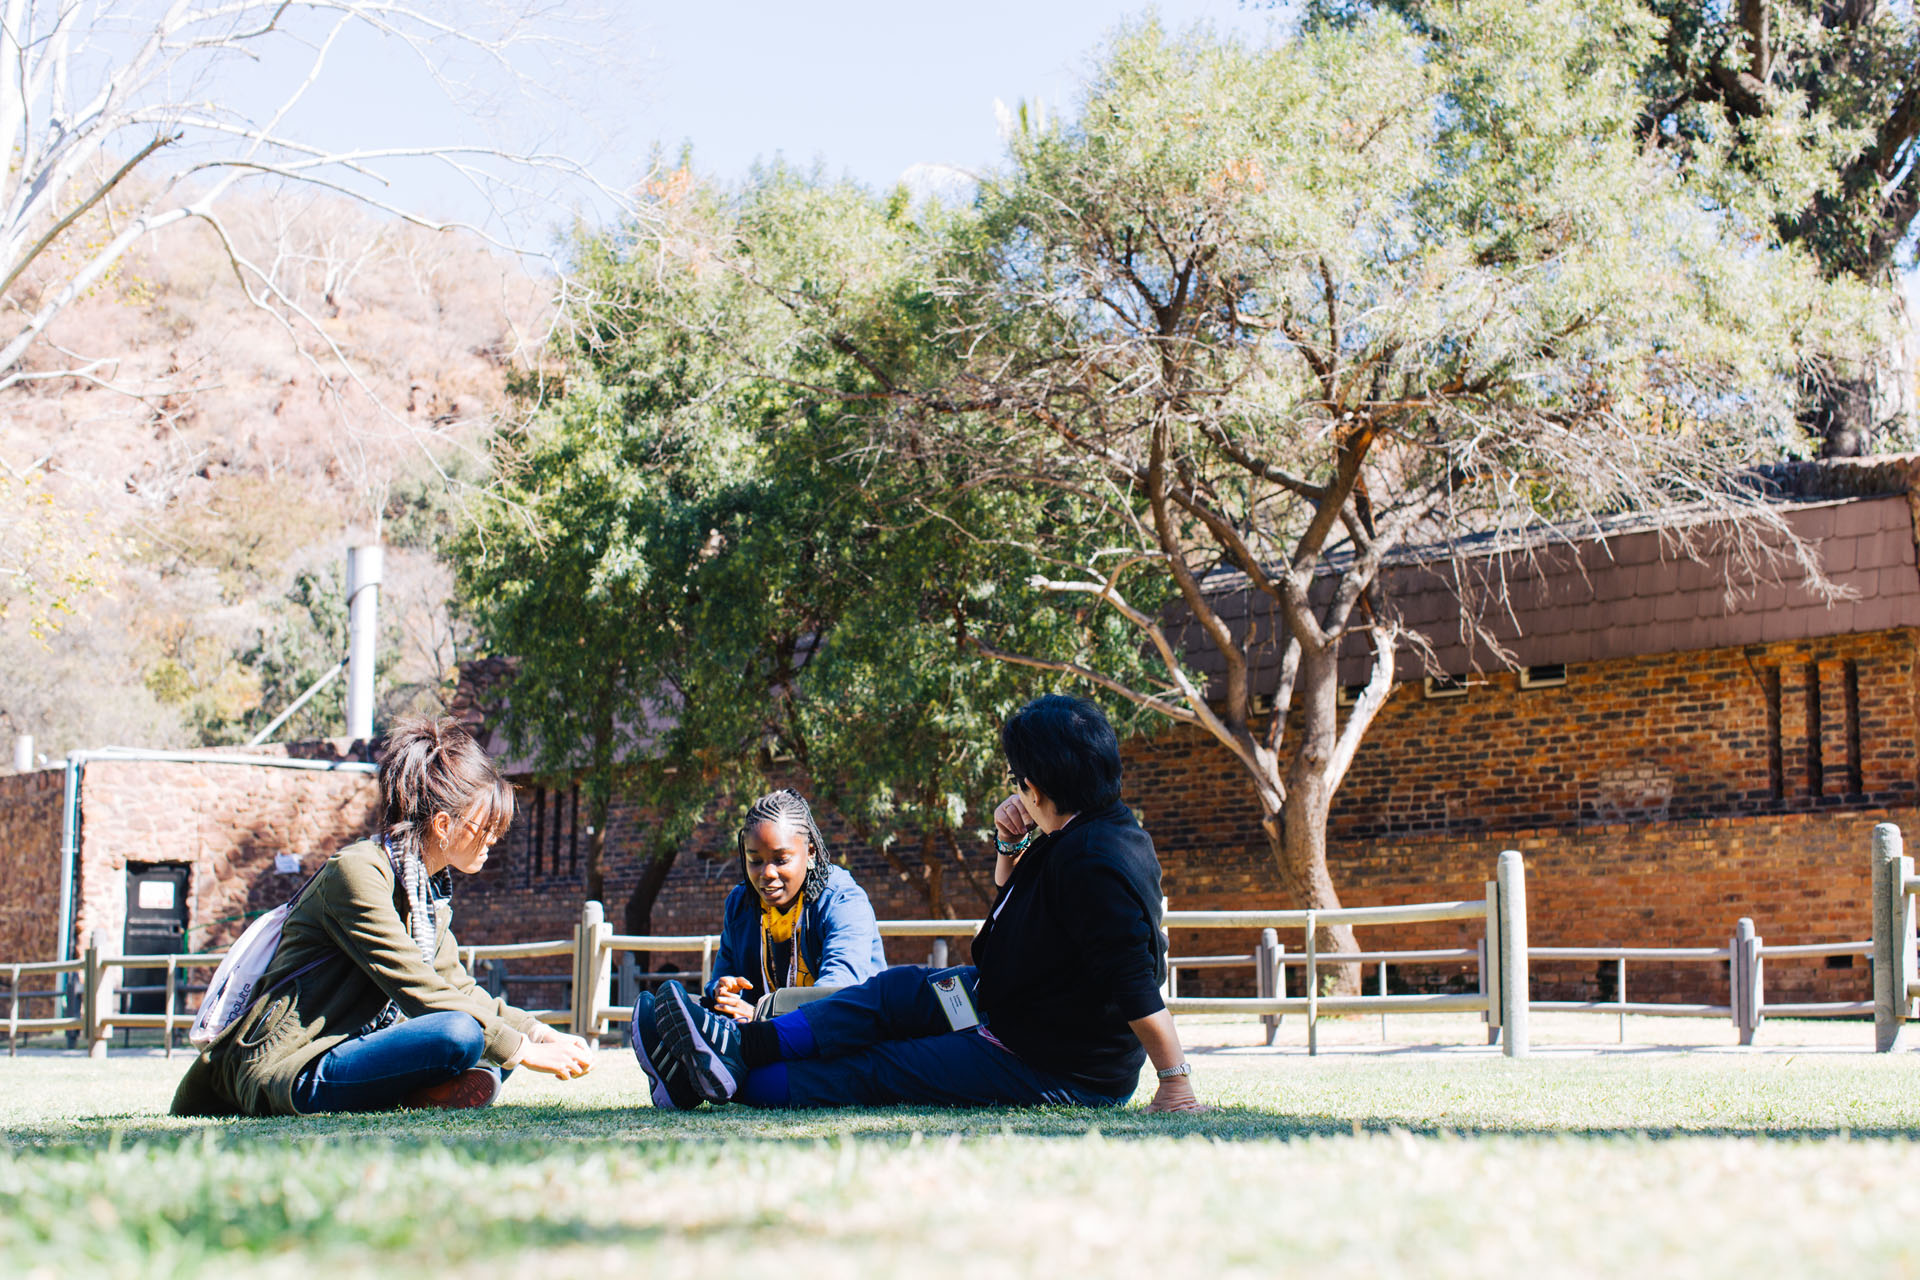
point(1668, 758)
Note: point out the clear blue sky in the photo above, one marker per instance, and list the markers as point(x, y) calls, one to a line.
point(869, 89)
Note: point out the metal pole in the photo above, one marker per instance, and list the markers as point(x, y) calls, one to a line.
point(23, 753)
point(363, 600)
point(1620, 993)
point(1383, 991)
point(1313, 988)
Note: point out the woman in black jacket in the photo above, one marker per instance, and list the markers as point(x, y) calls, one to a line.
point(1062, 1005)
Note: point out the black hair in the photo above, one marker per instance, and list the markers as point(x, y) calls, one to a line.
point(1065, 747)
point(789, 807)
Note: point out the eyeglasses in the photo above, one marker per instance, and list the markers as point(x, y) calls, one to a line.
point(485, 834)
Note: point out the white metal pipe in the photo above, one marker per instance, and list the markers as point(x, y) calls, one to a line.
point(1773, 952)
point(70, 809)
point(69, 853)
point(23, 753)
point(297, 703)
point(363, 601)
point(1409, 913)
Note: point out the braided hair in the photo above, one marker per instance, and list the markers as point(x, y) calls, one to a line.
point(790, 808)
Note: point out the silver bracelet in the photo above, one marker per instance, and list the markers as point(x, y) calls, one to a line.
point(1184, 1069)
point(1015, 848)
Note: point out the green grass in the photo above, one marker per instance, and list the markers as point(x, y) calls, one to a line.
point(1453, 1162)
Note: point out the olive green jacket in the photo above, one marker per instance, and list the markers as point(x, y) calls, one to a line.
point(344, 952)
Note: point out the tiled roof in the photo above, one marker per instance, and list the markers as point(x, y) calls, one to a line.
point(1631, 590)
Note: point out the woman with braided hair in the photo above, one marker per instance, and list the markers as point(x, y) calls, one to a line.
point(365, 1005)
point(1061, 1007)
point(795, 919)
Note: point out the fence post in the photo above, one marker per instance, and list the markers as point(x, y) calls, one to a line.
point(628, 974)
point(1383, 991)
point(1489, 950)
point(1313, 986)
point(592, 970)
point(1893, 938)
point(937, 954)
point(1511, 877)
point(1744, 969)
point(1267, 977)
point(1620, 992)
point(167, 1008)
point(493, 977)
point(97, 997)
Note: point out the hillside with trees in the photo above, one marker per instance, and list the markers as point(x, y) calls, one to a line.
point(185, 468)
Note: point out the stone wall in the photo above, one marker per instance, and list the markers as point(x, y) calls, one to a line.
point(30, 864)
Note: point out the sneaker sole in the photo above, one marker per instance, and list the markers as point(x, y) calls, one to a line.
point(659, 1094)
point(710, 1074)
point(474, 1087)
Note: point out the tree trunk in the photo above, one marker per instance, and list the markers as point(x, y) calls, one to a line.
point(1297, 834)
point(597, 807)
point(1298, 839)
point(1839, 415)
point(638, 915)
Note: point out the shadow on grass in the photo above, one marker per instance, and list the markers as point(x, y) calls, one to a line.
point(509, 1135)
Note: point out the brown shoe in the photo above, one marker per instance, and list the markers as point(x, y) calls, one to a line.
point(474, 1087)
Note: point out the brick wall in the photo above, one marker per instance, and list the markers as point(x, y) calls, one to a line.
point(30, 864)
point(226, 821)
point(1659, 799)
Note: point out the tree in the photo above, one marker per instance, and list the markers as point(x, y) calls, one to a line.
point(1807, 114)
point(767, 593)
point(1270, 318)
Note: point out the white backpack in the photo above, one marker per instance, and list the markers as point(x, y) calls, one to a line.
point(231, 991)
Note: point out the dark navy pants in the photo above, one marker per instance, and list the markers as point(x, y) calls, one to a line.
point(373, 1072)
point(886, 1040)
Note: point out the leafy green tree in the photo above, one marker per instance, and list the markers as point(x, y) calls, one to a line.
point(1266, 318)
point(706, 574)
point(1803, 113)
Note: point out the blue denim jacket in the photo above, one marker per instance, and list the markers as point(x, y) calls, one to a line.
point(840, 939)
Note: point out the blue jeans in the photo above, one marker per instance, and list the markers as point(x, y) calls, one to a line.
point(375, 1071)
point(886, 1040)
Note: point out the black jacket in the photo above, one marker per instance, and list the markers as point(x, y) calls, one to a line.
point(1073, 952)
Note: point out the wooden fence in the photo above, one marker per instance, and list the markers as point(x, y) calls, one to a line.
point(595, 952)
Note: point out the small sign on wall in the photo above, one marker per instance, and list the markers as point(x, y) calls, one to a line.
point(155, 895)
point(287, 864)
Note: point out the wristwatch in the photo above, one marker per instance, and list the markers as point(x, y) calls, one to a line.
point(1184, 1069)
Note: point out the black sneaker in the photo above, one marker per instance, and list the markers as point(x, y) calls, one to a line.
point(672, 1089)
point(707, 1043)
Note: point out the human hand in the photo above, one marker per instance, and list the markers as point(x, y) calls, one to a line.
point(727, 1001)
point(1011, 820)
point(586, 1047)
point(1175, 1094)
point(565, 1056)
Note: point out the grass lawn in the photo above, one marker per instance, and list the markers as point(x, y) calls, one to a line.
point(1793, 1159)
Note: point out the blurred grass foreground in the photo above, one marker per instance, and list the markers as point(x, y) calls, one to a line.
point(1673, 1154)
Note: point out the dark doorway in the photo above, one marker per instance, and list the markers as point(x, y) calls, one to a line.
point(156, 926)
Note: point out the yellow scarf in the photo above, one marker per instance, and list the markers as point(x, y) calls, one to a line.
point(783, 926)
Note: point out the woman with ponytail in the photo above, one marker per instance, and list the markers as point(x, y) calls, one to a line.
point(366, 1006)
point(795, 919)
